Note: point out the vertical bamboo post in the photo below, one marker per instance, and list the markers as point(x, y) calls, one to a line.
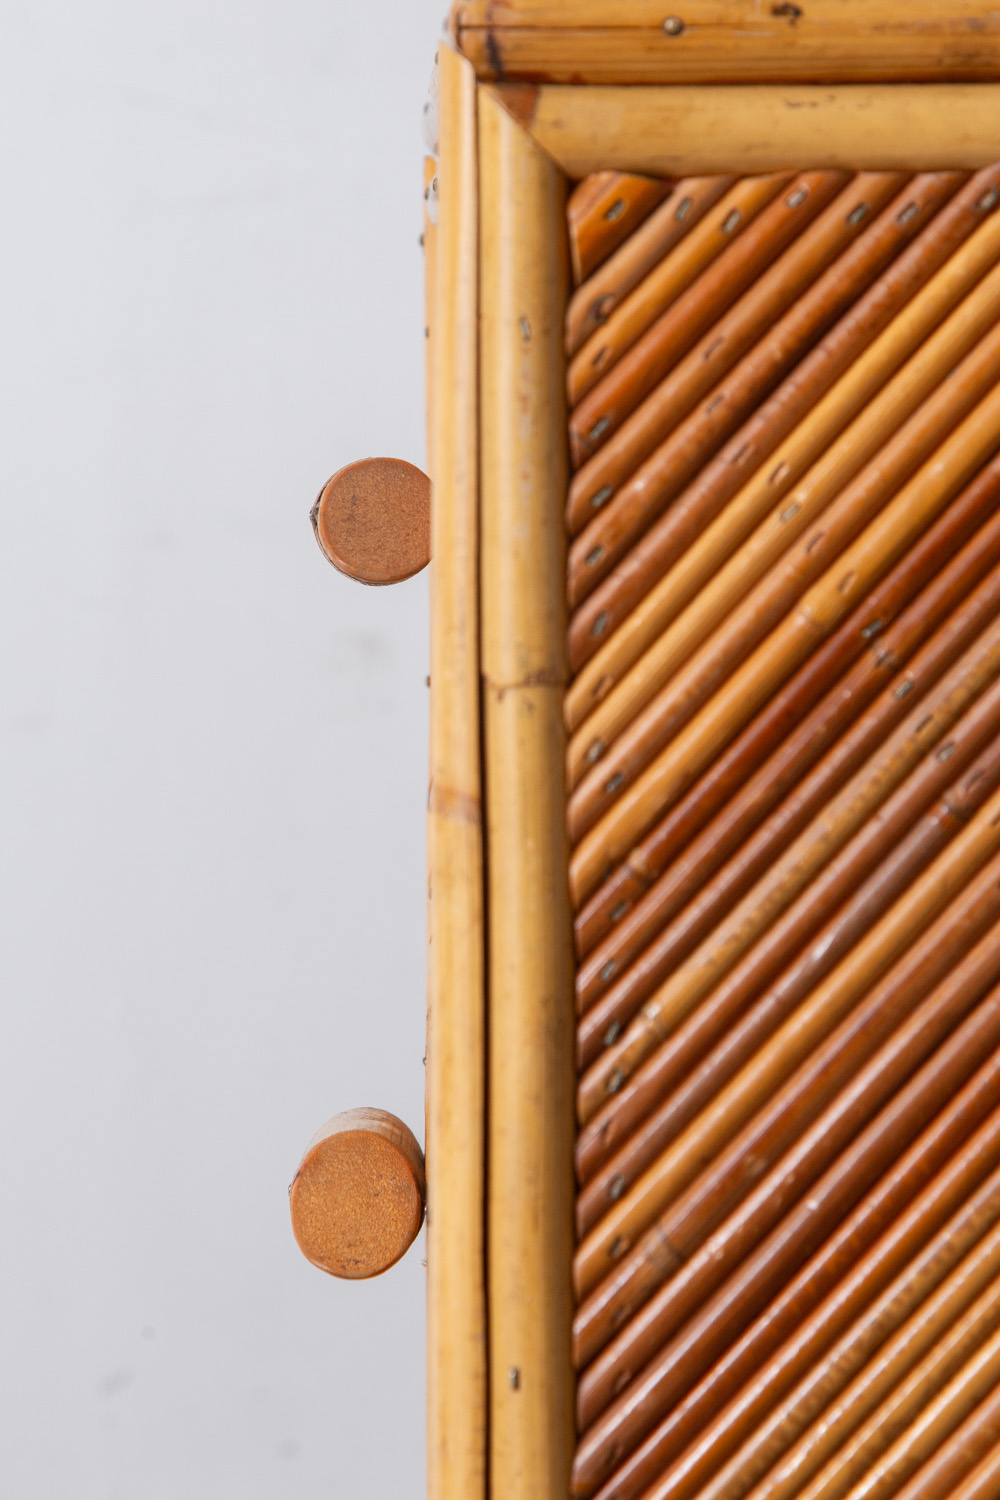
point(456, 1044)
point(530, 1135)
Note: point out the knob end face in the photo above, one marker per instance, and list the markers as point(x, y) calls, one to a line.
point(357, 1200)
point(373, 520)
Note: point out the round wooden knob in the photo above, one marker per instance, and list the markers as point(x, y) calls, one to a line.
point(373, 520)
point(358, 1197)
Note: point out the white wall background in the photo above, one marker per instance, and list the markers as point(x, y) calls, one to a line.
point(213, 746)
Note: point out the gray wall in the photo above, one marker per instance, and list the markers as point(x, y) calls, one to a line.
point(213, 746)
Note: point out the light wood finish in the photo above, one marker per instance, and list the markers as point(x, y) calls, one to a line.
point(638, 41)
point(530, 1188)
point(765, 128)
point(456, 1039)
point(916, 403)
point(429, 243)
point(593, 303)
point(357, 1199)
point(786, 466)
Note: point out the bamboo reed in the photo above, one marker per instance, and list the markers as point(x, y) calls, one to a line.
point(667, 131)
point(840, 494)
point(955, 1459)
point(456, 1042)
point(777, 736)
point(756, 998)
point(889, 1392)
point(593, 303)
point(977, 1379)
point(855, 387)
point(662, 480)
point(530, 1183)
point(816, 614)
point(741, 1267)
point(807, 768)
point(781, 1085)
point(815, 1391)
point(622, 523)
point(633, 388)
point(674, 277)
point(603, 210)
point(888, 764)
point(983, 1482)
point(615, 42)
point(890, 1226)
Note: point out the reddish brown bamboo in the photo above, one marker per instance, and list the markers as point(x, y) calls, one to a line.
point(929, 720)
point(676, 272)
point(909, 1205)
point(592, 304)
point(783, 294)
point(983, 1482)
point(745, 1010)
point(790, 1083)
point(659, 547)
point(596, 419)
point(757, 1248)
point(603, 210)
point(771, 328)
point(854, 511)
point(941, 1476)
point(867, 632)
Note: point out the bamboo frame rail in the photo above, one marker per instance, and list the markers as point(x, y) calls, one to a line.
point(530, 1184)
point(690, 129)
point(788, 907)
point(638, 41)
point(456, 1039)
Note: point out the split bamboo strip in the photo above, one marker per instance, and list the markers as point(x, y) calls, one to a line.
point(872, 1244)
point(891, 1390)
point(694, 486)
point(775, 737)
point(938, 1478)
point(674, 278)
point(456, 1041)
point(669, 131)
point(603, 210)
point(746, 1009)
point(983, 1483)
point(755, 366)
point(814, 617)
point(593, 303)
point(682, 1198)
point(627, 41)
point(815, 1391)
point(530, 1183)
point(640, 938)
point(977, 1379)
point(889, 763)
point(839, 495)
point(739, 1269)
point(792, 234)
point(855, 387)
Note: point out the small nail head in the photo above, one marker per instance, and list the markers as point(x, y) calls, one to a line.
point(673, 26)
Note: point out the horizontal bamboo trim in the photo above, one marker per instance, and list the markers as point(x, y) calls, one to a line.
point(705, 41)
point(456, 1041)
point(530, 977)
point(691, 129)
